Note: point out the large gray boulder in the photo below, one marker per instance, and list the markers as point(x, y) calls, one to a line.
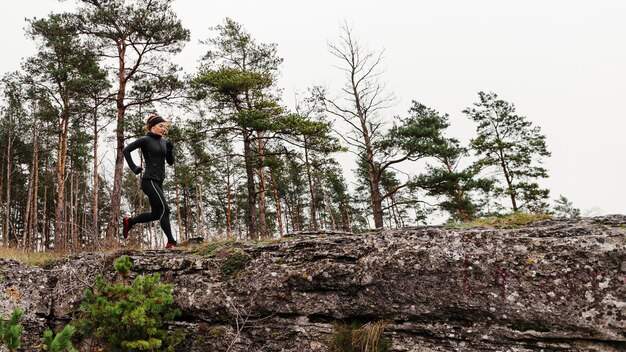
point(551, 286)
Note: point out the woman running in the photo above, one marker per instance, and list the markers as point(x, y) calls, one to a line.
point(156, 150)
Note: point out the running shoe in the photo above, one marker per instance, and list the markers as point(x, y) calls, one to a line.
point(126, 223)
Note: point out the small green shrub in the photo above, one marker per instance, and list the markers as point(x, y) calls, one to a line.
point(209, 250)
point(62, 342)
point(123, 265)
point(235, 261)
point(10, 331)
point(359, 338)
point(217, 333)
point(129, 317)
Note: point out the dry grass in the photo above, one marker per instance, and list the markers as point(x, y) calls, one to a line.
point(368, 337)
point(45, 258)
point(359, 338)
point(30, 258)
point(509, 221)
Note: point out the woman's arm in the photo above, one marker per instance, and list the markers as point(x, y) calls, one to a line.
point(169, 154)
point(138, 143)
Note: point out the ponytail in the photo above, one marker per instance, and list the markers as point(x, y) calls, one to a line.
point(150, 118)
point(153, 120)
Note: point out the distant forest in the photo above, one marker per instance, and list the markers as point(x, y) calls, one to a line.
point(247, 167)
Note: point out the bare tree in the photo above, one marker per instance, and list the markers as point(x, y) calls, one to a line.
point(364, 97)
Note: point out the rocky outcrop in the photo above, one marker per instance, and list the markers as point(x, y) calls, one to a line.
point(552, 286)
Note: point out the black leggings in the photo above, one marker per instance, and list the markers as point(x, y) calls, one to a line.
point(158, 207)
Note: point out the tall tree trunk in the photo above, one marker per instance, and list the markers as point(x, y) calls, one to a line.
point(27, 210)
point(288, 213)
point(345, 217)
point(279, 215)
point(377, 207)
point(228, 199)
point(31, 195)
point(83, 236)
point(291, 214)
point(77, 212)
point(199, 208)
point(509, 180)
point(116, 196)
point(395, 212)
point(252, 216)
point(2, 208)
point(313, 220)
point(327, 201)
point(95, 233)
point(374, 181)
point(32, 223)
point(298, 215)
point(73, 211)
point(9, 169)
point(69, 213)
point(59, 228)
point(182, 236)
point(186, 200)
point(46, 214)
point(262, 186)
point(374, 174)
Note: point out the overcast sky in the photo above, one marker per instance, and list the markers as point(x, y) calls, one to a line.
point(561, 62)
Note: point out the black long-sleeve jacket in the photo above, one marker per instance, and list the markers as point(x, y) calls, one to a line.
point(156, 151)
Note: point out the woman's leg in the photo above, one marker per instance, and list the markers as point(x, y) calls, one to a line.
point(156, 204)
point(164, 217)
point(159, 210)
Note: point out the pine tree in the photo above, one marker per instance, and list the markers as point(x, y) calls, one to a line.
point(61, 342)
point(445, 178)
point(564, 208)
point(11, 330)
point(239, 75)
point(129, 317)
point(511, 145)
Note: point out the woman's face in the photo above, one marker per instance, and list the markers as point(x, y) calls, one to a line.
point(160, 128)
